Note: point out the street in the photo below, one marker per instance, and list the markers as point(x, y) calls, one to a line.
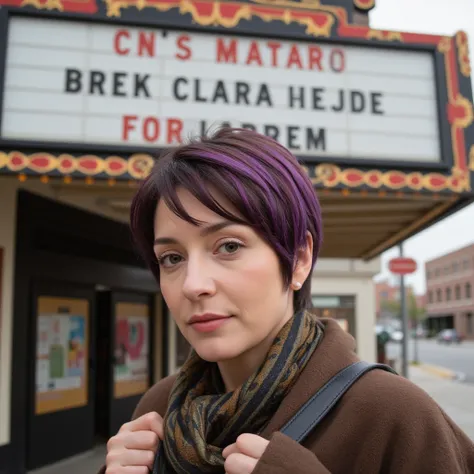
point(458, 358)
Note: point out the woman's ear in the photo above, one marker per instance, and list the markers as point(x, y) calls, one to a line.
point(304, 260)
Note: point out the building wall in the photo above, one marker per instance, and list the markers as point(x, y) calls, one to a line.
point(450, 288)
point(8, 189)
point(352, 277)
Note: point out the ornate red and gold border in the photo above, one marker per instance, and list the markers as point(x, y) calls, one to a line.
point(138, 167)
point(364, 4)
point(329, 175)
point(70, 6)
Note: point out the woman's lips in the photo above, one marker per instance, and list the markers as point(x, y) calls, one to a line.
point(208, 324)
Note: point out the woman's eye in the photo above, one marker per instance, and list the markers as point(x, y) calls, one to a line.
point(169, 260)
point(230, 247)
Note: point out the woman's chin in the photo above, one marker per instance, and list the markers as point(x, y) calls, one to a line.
point(216, 351)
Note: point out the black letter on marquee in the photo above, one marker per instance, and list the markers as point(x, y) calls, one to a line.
point(242, 92)
point(341, 102)
point(296, 97)
point(316, 141)
point(292, 137)
point(264, 95)
point(220, 93)
point(271, 131)
point(118, 84)
point(97, 81)
point(197, 91)
point(73, 81)
point(176, 84)
point(317, 99)
point(376, 103)
point(141, 85)
point(357, 106)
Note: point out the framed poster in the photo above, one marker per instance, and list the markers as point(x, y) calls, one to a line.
point(62, 354)
point(132, 333)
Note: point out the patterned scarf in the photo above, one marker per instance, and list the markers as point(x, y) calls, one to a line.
point(202, 419)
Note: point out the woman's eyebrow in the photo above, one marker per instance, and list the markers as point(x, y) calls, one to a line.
point(211, 229)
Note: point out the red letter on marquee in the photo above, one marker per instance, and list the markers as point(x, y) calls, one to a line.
point(294, 58)
point(117, 45)
point(315, 56)
point(227, 54)
point(254, 54)
point(146, 42)
point(153, 124)
point(274, 46)
point(337, 60)
point(175, 128)
point(127, 126)
point(185, 52)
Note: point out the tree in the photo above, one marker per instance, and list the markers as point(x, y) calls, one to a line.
point(415, 313)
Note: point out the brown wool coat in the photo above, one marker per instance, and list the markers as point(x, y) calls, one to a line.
point(383, 425)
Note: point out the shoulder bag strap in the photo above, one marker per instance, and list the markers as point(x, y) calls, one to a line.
point(320, 404)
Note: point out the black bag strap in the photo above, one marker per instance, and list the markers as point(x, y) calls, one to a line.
point(321, 403)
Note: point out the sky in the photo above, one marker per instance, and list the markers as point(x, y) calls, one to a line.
point(438, 17)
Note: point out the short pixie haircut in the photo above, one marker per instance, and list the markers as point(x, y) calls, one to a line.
point(258, 176)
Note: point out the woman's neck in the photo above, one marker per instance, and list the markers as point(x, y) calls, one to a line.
point(235, 372)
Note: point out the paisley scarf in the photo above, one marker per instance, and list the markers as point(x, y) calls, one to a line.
point(202, 419)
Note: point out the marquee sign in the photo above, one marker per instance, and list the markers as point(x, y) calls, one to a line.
point(360, 107)
point(131, 87)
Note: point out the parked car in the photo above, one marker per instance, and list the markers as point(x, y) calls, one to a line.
point(449, 336)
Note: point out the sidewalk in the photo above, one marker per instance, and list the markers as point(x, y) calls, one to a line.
point(88, 463)
point(456, 399)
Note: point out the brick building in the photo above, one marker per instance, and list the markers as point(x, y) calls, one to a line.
point(387, 293)
point(449, 284)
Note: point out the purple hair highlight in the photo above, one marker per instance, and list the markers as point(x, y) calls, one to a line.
point(258, 176)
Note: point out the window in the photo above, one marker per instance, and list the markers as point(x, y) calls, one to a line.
point(430, 297)
point(448, 294)
point(437, 272)
point(458, 292)
point(438, 295)
point(446, 270)
point(465, 264)
point(428, 275)
point(468, 291)
point(455, 267)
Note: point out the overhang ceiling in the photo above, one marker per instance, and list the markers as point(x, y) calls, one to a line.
point(358, 224)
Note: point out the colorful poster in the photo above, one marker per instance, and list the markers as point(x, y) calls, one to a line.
point(61, 354)
point(131, 369)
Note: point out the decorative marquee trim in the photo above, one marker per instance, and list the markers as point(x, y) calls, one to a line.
point(138, 167)
point(329, 175)
point(72, 6)
point(364, 4)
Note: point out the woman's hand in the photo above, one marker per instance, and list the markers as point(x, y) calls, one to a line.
point(132, 450)
point(242, 456)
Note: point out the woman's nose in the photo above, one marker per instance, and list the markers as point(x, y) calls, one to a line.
point(198, 282)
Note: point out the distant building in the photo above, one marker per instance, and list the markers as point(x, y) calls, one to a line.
point(449, 284)
point(387, 297)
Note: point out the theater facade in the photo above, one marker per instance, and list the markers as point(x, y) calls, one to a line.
point(91, 90)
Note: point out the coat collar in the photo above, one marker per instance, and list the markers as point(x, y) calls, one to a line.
point(335, 352)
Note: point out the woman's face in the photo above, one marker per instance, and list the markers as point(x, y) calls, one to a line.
point(221, 281)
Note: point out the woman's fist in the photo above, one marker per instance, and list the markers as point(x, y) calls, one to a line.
point(132, 450)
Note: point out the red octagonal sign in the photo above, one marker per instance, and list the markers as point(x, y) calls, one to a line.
point(402, 265)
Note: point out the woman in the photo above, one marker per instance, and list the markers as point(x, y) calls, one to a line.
point(231, 228)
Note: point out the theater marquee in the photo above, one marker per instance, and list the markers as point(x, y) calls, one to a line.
point(112, 85)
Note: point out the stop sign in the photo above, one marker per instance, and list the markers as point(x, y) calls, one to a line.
point(402, 265)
